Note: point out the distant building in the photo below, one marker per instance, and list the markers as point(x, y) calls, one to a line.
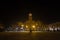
point(54, 26)
point(30, 24)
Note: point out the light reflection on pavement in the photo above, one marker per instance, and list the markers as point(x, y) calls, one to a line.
point(29, 36)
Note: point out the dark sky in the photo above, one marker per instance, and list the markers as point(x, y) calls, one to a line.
point(13, 11)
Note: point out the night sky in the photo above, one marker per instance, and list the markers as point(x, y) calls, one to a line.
point(14, 11)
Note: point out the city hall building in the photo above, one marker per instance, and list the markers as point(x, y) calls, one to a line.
point(30, 24)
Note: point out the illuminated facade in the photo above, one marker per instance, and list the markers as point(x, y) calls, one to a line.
point(30, 24)
point(33, 25)
point(54, 26)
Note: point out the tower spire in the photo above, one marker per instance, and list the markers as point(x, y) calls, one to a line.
point(30, 16)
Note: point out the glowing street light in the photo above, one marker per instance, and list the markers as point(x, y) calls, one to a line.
point(26, 26)
point(22, 25)
point(51, 29)
point(33, 26)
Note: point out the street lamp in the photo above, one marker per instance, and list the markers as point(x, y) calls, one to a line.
point(26, 26)
point(33, 26)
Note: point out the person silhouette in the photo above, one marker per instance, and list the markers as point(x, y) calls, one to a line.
point(30, 30)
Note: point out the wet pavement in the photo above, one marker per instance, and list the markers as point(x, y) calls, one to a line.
point(29, 36)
